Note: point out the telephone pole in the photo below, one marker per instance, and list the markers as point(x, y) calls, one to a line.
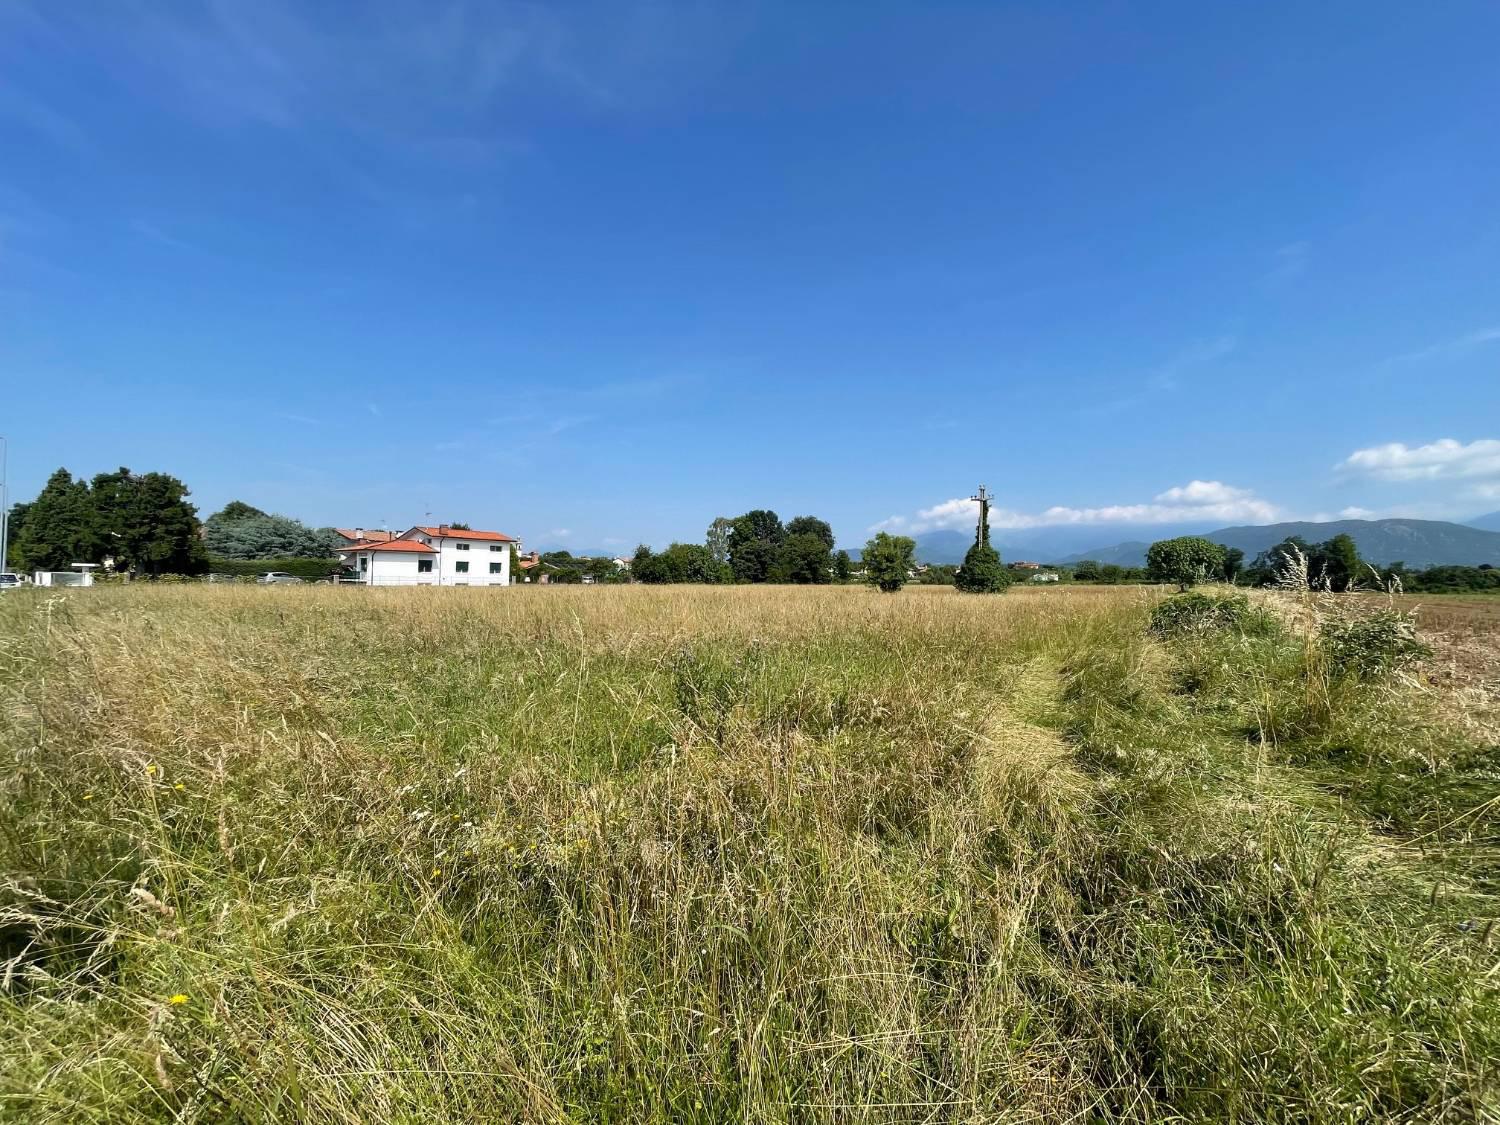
point(4, 500)
point(984, 499)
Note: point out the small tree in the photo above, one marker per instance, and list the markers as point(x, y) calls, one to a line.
point(843, 566)
point(888, 561)
point(1185, 560)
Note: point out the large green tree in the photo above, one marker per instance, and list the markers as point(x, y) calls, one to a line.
point(755, 545)
point(147, 523)
point(811, 525)
point(59, 528)
point(1185, 560)
point(268, 537)
point(888, 561)
point(806, 560)
point(232, 511)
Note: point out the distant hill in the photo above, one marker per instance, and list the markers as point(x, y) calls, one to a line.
point(1490, 522)
point(1417, 543)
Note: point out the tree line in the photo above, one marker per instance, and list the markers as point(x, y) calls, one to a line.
point(145, 525)
point(752, 548)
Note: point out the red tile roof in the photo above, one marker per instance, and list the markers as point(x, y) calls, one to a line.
point(367, 537)
point(392, 545)
point(462, 533)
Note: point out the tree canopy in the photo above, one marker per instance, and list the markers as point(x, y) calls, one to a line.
point(141, 520)
point(681, 562)
point(268, 537)
point(58, 528)
point(1185, 560)
point(888, 561)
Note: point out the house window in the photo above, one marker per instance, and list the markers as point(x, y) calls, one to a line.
point(461, 567)
point(494, 546)
point(424, 566)
point(364, 562)
point(494, 568)
point(462, 546)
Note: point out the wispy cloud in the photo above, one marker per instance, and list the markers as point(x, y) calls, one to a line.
point(1445, 459)
point(1197, 500)
point(1447, 349)
point(1166, 377)
point(153, 233)
point(1169, 375)
point(1289, 261)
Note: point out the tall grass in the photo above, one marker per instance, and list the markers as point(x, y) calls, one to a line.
point(678, 854)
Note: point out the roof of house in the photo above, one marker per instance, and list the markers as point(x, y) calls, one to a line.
point(367, 537)
point(392, 545)
point(464, 533)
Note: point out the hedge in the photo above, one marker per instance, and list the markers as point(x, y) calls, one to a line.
point(250, 568)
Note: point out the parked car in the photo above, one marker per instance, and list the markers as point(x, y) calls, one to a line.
point(9, 581)
point(277, 578)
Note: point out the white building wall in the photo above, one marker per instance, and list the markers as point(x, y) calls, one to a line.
point(393, 568)
point(451, 552)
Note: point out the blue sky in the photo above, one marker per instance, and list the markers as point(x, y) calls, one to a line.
point(596, 274)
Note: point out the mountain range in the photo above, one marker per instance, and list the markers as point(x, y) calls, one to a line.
point(1417, 543)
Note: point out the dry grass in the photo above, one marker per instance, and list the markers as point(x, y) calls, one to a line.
point(676, 854)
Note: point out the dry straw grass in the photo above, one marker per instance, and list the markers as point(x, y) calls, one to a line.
point(680, 854)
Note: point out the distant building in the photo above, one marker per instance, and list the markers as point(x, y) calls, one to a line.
point(430, 556)
point(1026, 566)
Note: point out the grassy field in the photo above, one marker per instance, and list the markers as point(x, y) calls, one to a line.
point(761, 854)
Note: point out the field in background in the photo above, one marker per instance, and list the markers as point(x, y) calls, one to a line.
point(704, 854)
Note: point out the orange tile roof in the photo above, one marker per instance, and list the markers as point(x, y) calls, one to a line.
point(367, 537)
point(463, 533)
point(392, 545)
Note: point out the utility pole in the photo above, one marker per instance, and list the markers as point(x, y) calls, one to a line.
point(984, 499)
point(4, 500)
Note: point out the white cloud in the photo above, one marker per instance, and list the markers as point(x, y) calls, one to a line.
point(1354, 512)
point(1194, 501)
point(1446, 459)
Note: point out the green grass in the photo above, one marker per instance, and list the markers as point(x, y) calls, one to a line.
point(680, 854)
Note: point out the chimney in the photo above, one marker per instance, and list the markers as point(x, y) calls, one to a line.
point(359, 533)
point(444, 528)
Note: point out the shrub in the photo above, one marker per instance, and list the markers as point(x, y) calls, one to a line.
point(249, 568)
point(981, 572)
point(1201, 613)
point(1369, 646)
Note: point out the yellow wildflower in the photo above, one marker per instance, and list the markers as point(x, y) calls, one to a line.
point(436, 871)
point(151, 769)
point(179, 787)
point(180, 998)
point(88, 796)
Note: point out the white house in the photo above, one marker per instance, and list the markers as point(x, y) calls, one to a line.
point(432, 556)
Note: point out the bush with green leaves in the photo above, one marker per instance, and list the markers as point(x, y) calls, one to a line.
point(888, 561)
point(1372, 645)
point(982, 572)
point(1197, 612)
